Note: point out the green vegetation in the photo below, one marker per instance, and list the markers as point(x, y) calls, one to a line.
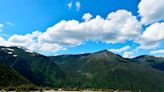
point(104, 70)
point(25, 70)
point(10, 78)
point(34, 67)
point(151, 61)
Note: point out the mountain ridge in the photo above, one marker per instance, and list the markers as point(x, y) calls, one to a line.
point(104, 69)
point(98, 70)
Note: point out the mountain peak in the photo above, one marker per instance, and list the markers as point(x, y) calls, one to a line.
point(103, 51)
point(106, 55)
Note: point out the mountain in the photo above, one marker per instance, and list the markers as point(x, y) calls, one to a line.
point(155, 62)
point(35, 67)
point(99, 70)
point(9, 77)
point(105, 70)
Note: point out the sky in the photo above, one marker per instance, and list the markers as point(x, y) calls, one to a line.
point(53, 27)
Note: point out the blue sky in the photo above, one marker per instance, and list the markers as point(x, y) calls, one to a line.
point(31, 15)
point(27, 16)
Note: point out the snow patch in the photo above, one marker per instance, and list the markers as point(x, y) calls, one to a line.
point(9, 49)
point(10, 52)
point(15, 55)
point(29, 51)
point(2, 48)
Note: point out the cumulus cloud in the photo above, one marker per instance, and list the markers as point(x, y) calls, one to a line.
point(29, 41)
point(125, 48)
point(119, 26)
point(158, 52)
point(151, 11)
point(152, 36)
point(87, 17)
point(3, 42)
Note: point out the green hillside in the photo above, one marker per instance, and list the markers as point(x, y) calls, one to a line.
point(152, 61)
point(9, 77)
point(105, 70)
point(35, 67)
point(100, 70)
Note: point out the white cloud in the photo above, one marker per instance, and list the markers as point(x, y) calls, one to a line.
point(120, 26)
point(78, 5)
point(158, 51)
point(1, 27)
point(87, 17)
point(3, 42)
point(29, 41)
point(70, 4)
point(152, 36)
point(151, 11)
point(125, 48)
point(49, 47)
point(128, 55)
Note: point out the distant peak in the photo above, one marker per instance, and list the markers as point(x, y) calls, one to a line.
point(103, 51)
point(144, 56)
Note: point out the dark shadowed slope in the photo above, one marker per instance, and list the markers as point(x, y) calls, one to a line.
point(155, 62)
point(9, 77)
point(35, 67)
